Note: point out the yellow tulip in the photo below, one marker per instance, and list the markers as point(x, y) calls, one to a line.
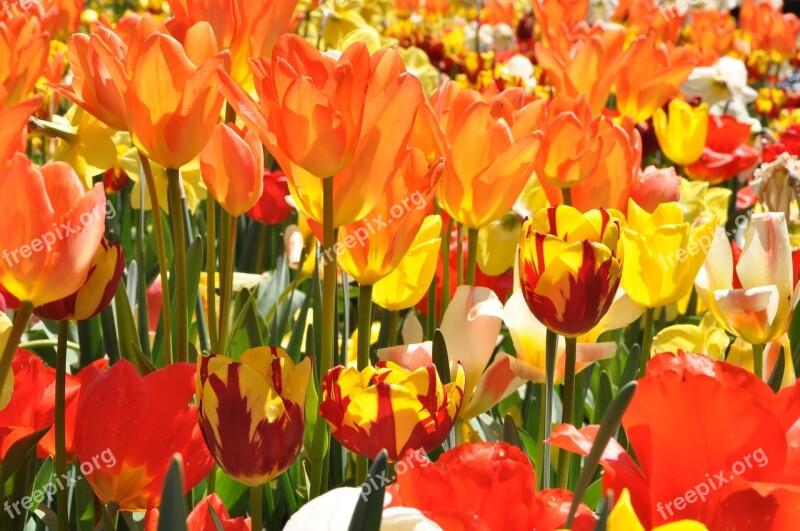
point(682, 134)
point(408, 283)
point(741, 355)
point(497, 245)
point(662, 253)
point(699, 200)
point(707, 337)
point(6, 387)
point(623, 518)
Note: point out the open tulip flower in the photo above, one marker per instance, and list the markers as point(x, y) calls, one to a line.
point(726, 153)
point(389, 407)
point(569, 269)
point(252, 411)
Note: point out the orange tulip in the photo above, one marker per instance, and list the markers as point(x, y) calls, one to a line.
point(14, 118)
point(712, 30)
point(373, 251)
point(766, 28)
point(24, 49)
point(552, 13)
point(52, 230)
point(666, 22)
point(232, 166)
point(320, 117)
point(172, 100)
point(491, 147)
point(650, 76)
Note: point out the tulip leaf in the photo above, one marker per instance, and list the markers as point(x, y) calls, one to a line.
point(215, 519)
point(84, 502)
point(194, 265)
point(608, 427)
point(296, 338)
point(17, 476)
point(632, 365)
point(510, 434)
point(604, 509)
point(43, 475)
point(369, 508)
point(776, 378)
point(440, 358)
point(172, 516)
point(126, 328)
point(142, 362)
point(604, 395)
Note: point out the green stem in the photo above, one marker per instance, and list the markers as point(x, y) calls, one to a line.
point(472, 255)
point(161, 249)
point(647, 340)
point(567, 195)
point(448, 229)
point(459, 254)
point(179, 243)
point(60, 421)
point(550, 369)
point(255, 508)
point(568, 400)
point(540, 437)
point(20, 324)
point(211, 268)
point(758, 360)
point(364, 329)
point(42, 343)
point(394, 323)
point(226, 278)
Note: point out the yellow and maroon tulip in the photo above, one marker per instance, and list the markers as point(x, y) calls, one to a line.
point(569, 269)
point(252, 411)
point(389, 407)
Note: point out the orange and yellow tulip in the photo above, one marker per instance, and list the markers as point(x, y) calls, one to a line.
point(389, 407)
point(24, 49)
point(553, 13)
point(232, 166)
point(53, 230)
point(252, 411)
point(712, 30)
point(14, 118)
point(491, 147)
point(765, 27)
point(569, 269)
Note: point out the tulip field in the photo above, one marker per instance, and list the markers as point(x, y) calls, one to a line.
point(399, 265)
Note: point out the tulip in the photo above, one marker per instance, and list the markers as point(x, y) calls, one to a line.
point(699, 200)
point(681, 134)
point(569, 270)
point(500, 476)
point(84, 142)
point(232, 166)
point(252, 412)
point(623, 518)
point(752, 297)
point(201, 518)
point(481, 185)
point(654, 186)
point(24, 49)
point(712, 30)
point(766, 28)
point(662, 253)
point(746, 437)
point(665, 21)
point(272, 207)
point(409, 281)
point(707, 337)
point(388, 407)
point(662, 70)
point(172, 116)
point(726, 153)
point(742, 354)
point(13, 119)
point(123, 415)
point(552, 13)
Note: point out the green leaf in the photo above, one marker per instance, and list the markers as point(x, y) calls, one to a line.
point(440, 358)
point(126, 328)
point(510, 434)
point(215, 518)
point(84, 501)
point(594, 493)
point(632, 365)
point(172, 515)
point(17, 476)
point(605, 394)
point(776, 378)
point(369, 508)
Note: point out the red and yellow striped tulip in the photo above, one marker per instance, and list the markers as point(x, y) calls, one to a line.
point(569, 269)
point(389, 407)
point(252, 411)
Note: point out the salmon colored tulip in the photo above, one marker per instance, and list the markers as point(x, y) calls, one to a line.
point(752, 296)
point(252, 411)
point(654, 186)
point(409, 281)
point(726, 153)
point(232, 166)
point(371, 251)
point(568, 266)
point(98, 290)
point(651, 74)
point(24, 49)
point(389, 407)
point(712, 30)
point(201, 519)
point(123, 415)
point(172, 116)
point(491, 147)
point(363, 112)
point(57, 228)
point(681, 133)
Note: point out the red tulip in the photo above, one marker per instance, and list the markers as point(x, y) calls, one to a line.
point(272, 208)
point(142, 422)
point(726, 153)
point(200, 518)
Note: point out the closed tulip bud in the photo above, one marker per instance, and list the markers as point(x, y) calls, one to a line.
point(232, 166)
point(569, 269)
point(96, 293)
point(251, 411)
point(389, 407)
point(681, 133)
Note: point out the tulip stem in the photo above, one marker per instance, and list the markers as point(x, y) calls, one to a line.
point(446, 238)
point(566, 193)
point(459, 254)
point(255, 508)
point(20, 324)
point(568, 402)
point(364, 333)
point(179, 244)
point(161, 248)
point(472, 255)
point(551, 347)
point(226, 278)
point(211, 268)
point(647, 340)
point(758, 360)
point(60, 421)
point(394, 323)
